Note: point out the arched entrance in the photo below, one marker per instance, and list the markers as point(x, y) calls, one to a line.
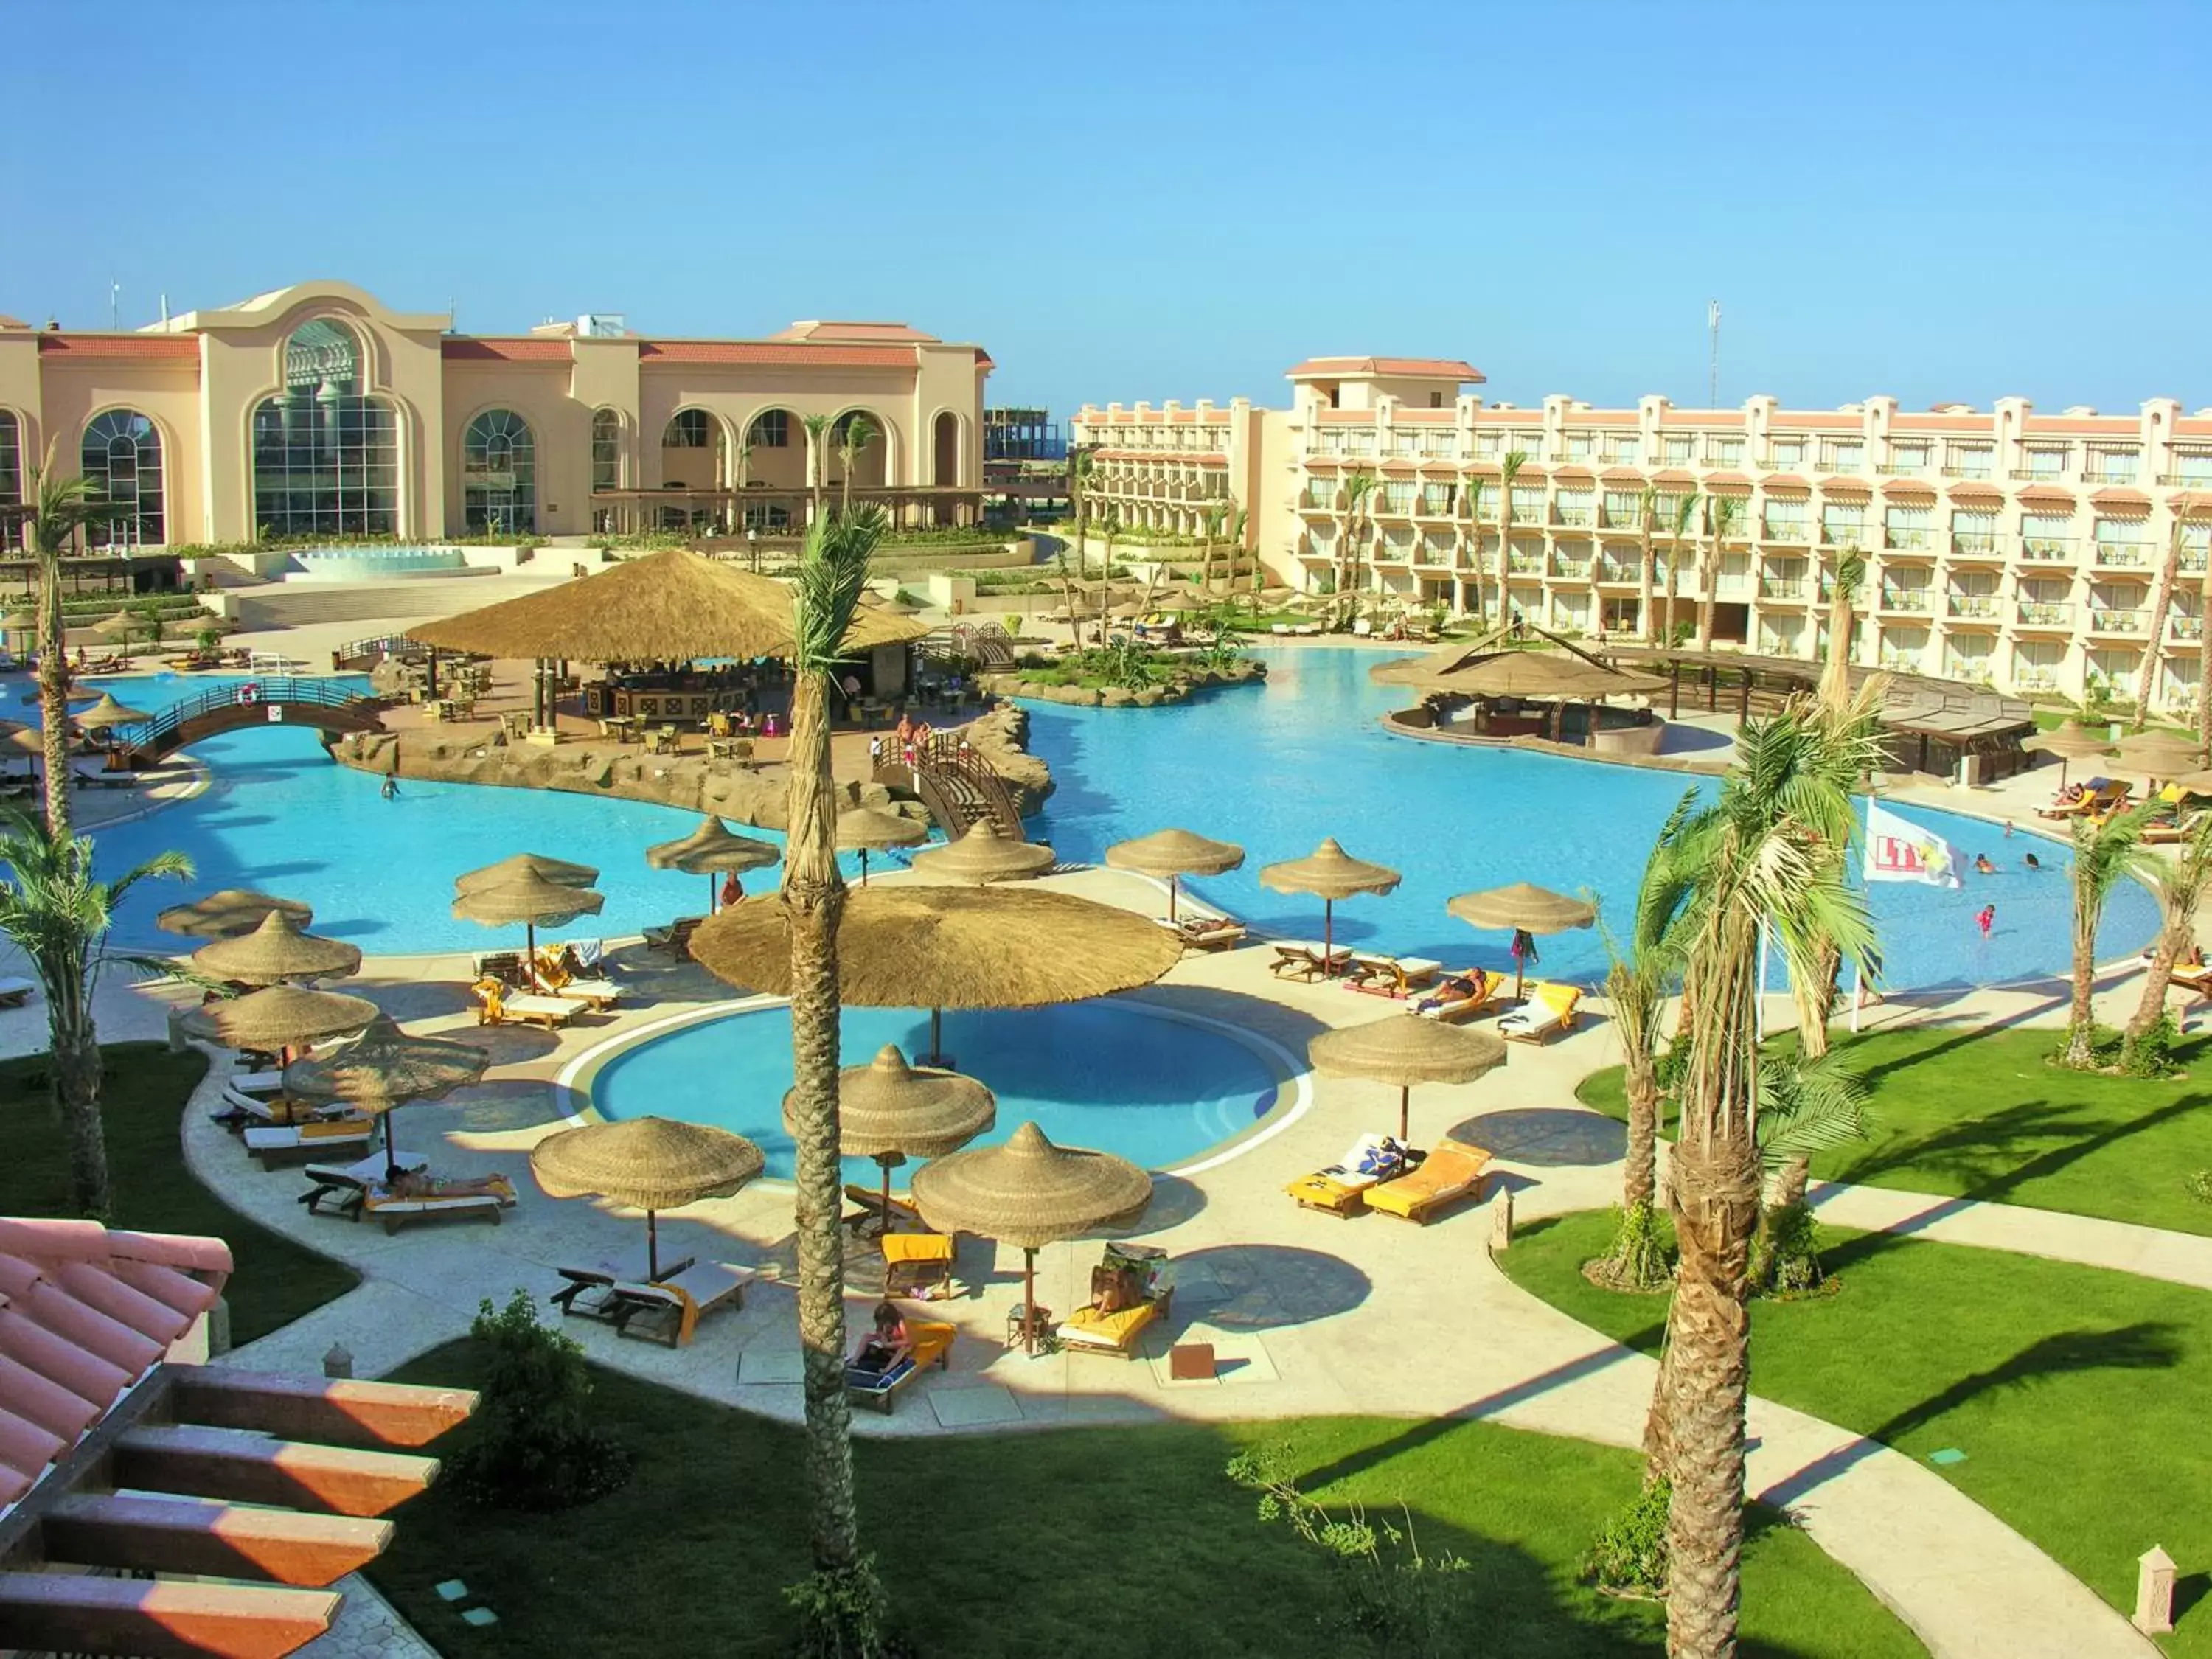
point(859, 440)
point(499, 474)
point(122, 455)
point(694, 454)
point(325, 456)
point(771, 470)
point(945, 439)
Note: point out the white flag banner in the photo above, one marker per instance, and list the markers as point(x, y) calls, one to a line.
point(1897, 849)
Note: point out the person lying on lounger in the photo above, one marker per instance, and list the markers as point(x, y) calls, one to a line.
point(1458, 988)
point(416, 1184)
point(886, 1344)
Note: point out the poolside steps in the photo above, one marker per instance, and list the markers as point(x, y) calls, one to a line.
point(294, 604)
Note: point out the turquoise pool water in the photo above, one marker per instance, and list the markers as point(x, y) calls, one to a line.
point(1149, 1087)
point(1275, 767)
point(355, 563)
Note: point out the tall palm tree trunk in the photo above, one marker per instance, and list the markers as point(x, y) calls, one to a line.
point(813, 899)
point(2081, 1013)
point(53, 694)
point(2179, 933)
point(1646, 567)
point(1639, 1181)
point(2161, 607)
point(2203, 659)
point(75, 1082)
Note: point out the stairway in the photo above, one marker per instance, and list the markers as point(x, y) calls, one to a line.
point(294, 605)
point(960, 790)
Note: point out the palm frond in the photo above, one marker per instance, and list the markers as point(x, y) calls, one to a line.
point(833, 572)
point(1809, 1106)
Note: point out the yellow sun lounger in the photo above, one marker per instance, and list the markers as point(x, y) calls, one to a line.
point(1549, 1008)
point(1452, 1171)
point(878, 1390)
point(1089, 1331)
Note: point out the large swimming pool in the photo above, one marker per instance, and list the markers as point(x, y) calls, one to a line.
point(1275, 767)
point(1154, 1086)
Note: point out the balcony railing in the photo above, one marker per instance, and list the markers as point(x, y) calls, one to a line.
point(2193, 560)
point(2035, 679)
point(1732, 585)
point(2118, 622)
point(1313, 503)
point(1843, 461)
point(1903, 469)
point(1843, 534)
point(1781, 588)
point(2193, 478)
point(1575, 518)
point(1525, 564)
point(1910, 600)
point(1967, 470)
point(1775, 461)
point(2112, 475)
point(1981, 605)
point(1795, 532)
point(1974, 544)
point(2046, 550)
point(1576, 569)
point(1901, 662)
point(2120, 556)
point(2043, 613)
point(1435, 506)
point(1908, 541)
point(2037, 474)
point(1609, 570)
point(2184, 628)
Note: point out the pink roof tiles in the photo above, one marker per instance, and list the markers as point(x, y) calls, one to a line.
point(1621, 475)
point(1938, 421)
point(2046, 495)
point(2095, 425)
point(1977, 495)
point(1845, 487)
point(776, 353)
point(138, 347)
point(1402, 368)
point(514, 349)
point(1578, 475)
point(1731, 481)
point(1675, 479)
point(1907, 487)
point(869, 333)
point(85, 1312)
point(1784, 482)
point(2121, 500)
point(2192, 503)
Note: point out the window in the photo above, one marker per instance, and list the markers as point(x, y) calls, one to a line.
point(1843, 524)
point(1398, 496)
point(498, 473)
point(1528, 501)
point(1724, 452)
point(771, 430)
point(1841, 454)
point(767, 518)
point(1489, 443)
point(1974, 531)
point(2191, 466)
point(1582, 446)
point(2046, 535)
point(1406, 444)
point(122, 456)
point(11, 472)
point(1785, 451)
point(325, 457)
point(1436, 400)
point(689, 428)
point(2046, 462)
point(1786, 521)
point(1680, 447)
point(2119, 541)
point(1969, 461)
point(1624, 507)
point(1578, 508)
point(1907, 527)
point(1908, 457)
point(1622, 446)
point(606, 449)
point(2113, 465)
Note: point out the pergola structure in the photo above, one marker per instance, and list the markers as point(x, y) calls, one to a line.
point(773, 512)
point(152, 1505)
point(1523, 682)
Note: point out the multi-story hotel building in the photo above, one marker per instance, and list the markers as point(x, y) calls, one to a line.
point(2001, 545)
point(316, 411)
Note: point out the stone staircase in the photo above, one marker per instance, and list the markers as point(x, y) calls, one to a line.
point(294, 604)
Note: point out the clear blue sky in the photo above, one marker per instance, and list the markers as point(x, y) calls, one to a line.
point(1942, 201)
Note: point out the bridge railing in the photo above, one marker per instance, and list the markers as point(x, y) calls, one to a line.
point(154, 734)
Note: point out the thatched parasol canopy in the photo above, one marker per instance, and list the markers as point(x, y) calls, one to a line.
point(527, 899)
point(1174, 853)
point(108, 712)
point(119, 624)
point(2158, 753)
point(983, 855)
point(2193, 783)
point(1402, 1051)
point(869, 828)
point(558, 870)
point(1538, 674)
point(383, 1070)
point(672, 606)
point(2072, 742)
point(649, 1163)
point(275, 952)
point(888, 1109)
point(31, 740)
point(233, 911)
point(1329, 873)
point(1523, 908)
point(1029, 1192)
point(280, 1016)
point(710, 849)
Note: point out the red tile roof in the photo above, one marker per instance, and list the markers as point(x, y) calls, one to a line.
point(2121, 500)
point(1397, 466)
point(1940, 422)
point(1727, 481)
point(1813, 421)
point(1574, 475)
point(506, 349)
point(1628, 475)
point(1674, 478)
point(2095, 425)
point(1406, 368)
point(1977, 492)
point(1845, 487)
point(1701, 417)
point(86, 1312)
point(2192, 503)
point(775, 353)
point(983, 358)
point(2046, 495)
point(140, 348)
point(857, 333)
point(1907, 487)
point(1784, 481)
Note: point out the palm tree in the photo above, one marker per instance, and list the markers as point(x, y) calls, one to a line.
point(1474, 487)
point(2204, 660)
point(1647, 515)
point(1109, 529)
point(1636, 986)
point(1509, 469)
point(1238, 520)
point(854, 433)
point(833, 569)
point(1359, 490)
point(59, 509)
point(2162, 606)
point(1216, 516)
point(1762, 859)
point(1720, 514)
point(2104, 854)
point(2181, 887)
point(744, 457)
point(1686, 510)
point(1836, 672)
point(817, 462)
point(1080, 466)
point(57, 913)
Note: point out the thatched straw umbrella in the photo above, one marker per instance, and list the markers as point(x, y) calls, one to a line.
point(950, 947)
point(666, 607)
point(383, 1070)
point(711, 850)
point(1523, 908)
point(233, 911)
point(279, 1018)
point(983, 855)
point(107, 713)
point(2158, 755)
point(1402, 1051)
point(118, 625)
point(1174, 853)
point(649, 1163)
point(560, 871)
point(1329, 873)
point(276, 953)
point(533, 902)
point(2070, 743)
point(1032, 1193)
point(891, 1111)
point(863, 830)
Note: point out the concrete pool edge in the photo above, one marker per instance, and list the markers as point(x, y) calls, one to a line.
point(574, 1079)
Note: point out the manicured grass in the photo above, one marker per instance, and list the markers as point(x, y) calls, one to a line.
point(142, 1094)
point(1109, 1542)
point(2077, 1395)
point(1976, 1113)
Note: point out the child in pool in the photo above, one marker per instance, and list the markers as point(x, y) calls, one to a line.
point(1987, 919)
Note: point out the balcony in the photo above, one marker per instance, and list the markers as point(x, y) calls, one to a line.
point(1901, 662)
point(2112, 475)
point(1524, 564)
point(1844, 534)
point(1903, 469)
point(2194, 478)
point(1974, 544)
point(1794, 533)
point(2035, 679)
point(1981, 470)
point(1435, 506)
point(1310, 502)
point(2192, 561)
point(1843, 461)
point(1573, 570)
point(2046, 550)
point(1972, 607)
point(1732, 588)
point(2121, 556)
point(2037, 474)
point(1399, 508)
point(2118, 622)
point(1782, 587)
point(1575, 518)
point(1612, 570)
point(1908, 541)
point(1908, 601)
point(2184, 628)
point(2046, 613)
point(1324, 552)
point(1775, 460)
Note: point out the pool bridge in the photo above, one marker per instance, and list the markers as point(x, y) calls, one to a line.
point(957, 786)
point(320, 704)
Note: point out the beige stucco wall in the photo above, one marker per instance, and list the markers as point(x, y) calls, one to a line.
point(168, 394)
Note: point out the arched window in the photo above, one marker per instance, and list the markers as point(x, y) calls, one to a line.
point(771, 430)
point(122, 456)
point(688, 429)
point(498, 473)
point(606, 449)
point(326, 457)
point(12, 474)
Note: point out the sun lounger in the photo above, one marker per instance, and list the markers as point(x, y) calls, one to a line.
point(666, 1310)
point(919, 1264)
point(1380, 975)
point(554, 976)
point(505, 966)
point(1089, 1331)
point(1550, 1009)
point(1296, 959)
point(416, 1197)
point(501, 1005)
point(932, 1345)
point(317, 1137)
point(1449, 1173)
point(1340, 1189)
point(341, 1188)
point(2195, 980)
point(103, 780)
point(1460, 996)
point(2098, 795)
point(14, 993)
point(868, 1206)
point(1206, 932)
point(675, 939)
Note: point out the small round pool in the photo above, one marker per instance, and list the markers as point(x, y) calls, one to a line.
point(1157, 1088)
point(339, 564)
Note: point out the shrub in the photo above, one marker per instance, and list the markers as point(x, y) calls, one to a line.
point(535, 1446)
point(1785, 1252)
point(1630, 1555)
point(1636, 1260)
point(2200, 1186)
point(2151, 1054)
point(844, 1615)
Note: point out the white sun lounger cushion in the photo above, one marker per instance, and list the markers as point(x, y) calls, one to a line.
point(523, 1004)
point(14, 989)
point(591, 989)
point(363, 1171)
point(285, 1137)
point(1312, 948)
point(384, 1206)
point(1530, 1018)
point(709, 1283)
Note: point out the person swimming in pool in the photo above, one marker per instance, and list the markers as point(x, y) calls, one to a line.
point(1983, 866)
point(2032, 862)
point(1987, 919)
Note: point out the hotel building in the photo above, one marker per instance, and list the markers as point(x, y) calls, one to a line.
point(317, 411)
point(2021, 549)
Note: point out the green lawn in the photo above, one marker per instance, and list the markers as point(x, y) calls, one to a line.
point(2077, 1395)
point(143, 1092)
point(1079, 1542)
point(1978, 1113)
